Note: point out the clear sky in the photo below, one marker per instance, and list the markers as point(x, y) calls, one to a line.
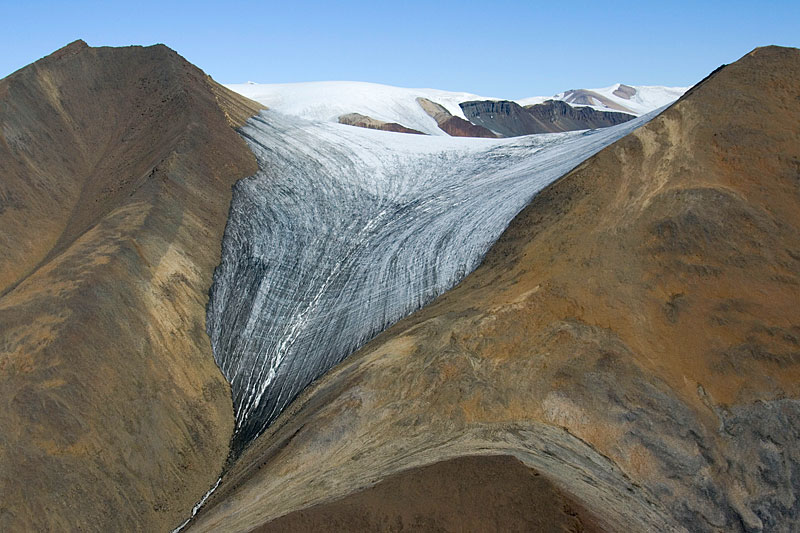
point(508, 49)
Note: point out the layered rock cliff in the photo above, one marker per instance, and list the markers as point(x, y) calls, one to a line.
point(565, 117)
point(634, 336)
point(116, 166)
point(477, 493)
point(509, 119)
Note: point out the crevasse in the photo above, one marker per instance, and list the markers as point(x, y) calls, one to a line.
point(343, 231)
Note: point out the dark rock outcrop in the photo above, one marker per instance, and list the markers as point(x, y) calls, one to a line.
point(116, 167)
point(510, 119)
point(451, 125)
point(363, 121)
point(625, 91)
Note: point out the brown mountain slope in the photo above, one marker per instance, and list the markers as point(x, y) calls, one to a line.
point(492, 493)
point(115, 174)
point(634, 336)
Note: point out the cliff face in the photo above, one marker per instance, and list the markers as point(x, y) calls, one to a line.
point(453, 126)
point(567, 118)
point(115, 173)
point(357, 230)
point(510, 119)
point(634, 336)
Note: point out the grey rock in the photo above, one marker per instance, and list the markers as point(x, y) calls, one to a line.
point(509, 119)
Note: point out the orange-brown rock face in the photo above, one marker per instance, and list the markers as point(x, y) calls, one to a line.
point(634, 336)
point(363, 121)
point(115, 174)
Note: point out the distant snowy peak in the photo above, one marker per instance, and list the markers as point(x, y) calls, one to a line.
point(633, 99)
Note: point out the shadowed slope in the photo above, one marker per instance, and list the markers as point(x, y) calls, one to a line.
point(495, 493)
point(634, 336)
point(116, 167)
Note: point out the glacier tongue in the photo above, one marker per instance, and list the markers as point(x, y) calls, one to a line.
point(344, 231)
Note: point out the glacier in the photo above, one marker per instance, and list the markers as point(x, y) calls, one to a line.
point(343, 231)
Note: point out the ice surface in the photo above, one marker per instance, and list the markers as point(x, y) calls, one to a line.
point(345, 230)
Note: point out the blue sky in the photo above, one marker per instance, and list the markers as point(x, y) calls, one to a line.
point(508, 49)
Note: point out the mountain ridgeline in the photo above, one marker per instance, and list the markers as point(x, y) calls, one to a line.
point(116, 166)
